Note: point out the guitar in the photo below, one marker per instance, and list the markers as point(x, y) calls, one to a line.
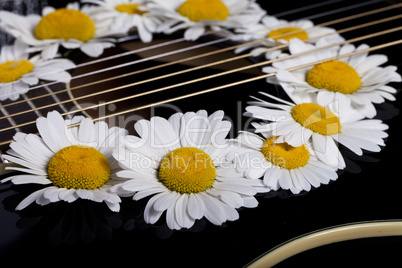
point(367, 191)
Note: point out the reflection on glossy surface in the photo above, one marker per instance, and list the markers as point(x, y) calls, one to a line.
point(81, 220)
point(63, 222)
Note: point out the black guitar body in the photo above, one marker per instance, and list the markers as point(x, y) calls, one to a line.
point(85, 233)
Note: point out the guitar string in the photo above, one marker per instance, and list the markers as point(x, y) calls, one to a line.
point(343, 9)
point(181, 97)
point(187, 59)
point(182, 60)
point(335, 21)
point(230, 84)
point(397, 42)
point(305, 8)
point(167, 43)
point(236, 70)
point(382, 46)
point(196, 80)
point(204, 66)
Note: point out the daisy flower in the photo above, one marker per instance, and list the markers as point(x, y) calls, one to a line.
point(69, 27)
point(306, 121)
point(358, 80)
point(128, 14)
point(181, 163)
point(73, 163)
point(273, 32)
point(281, 165)
point(197, 15)
point(18, 71)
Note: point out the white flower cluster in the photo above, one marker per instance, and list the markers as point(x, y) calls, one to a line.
point(185, 164)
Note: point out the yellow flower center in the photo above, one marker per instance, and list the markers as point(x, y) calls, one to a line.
point(65, 24)
point(287, 33)
point(197, 10)
point(283, 155)
point(187, 170)
point(130, 9)
point(316, 118)
point(336, 76)
point(79, 167)
point(11, 71)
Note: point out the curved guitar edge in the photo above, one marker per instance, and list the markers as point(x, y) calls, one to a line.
point(327, 236)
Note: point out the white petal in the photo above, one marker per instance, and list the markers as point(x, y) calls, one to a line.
point(150, 214)
point(30, 199)
point(68, 195)
point(171, 219)
point(237, 188)
point(115, 207)
point(166, 200)
point(250, 202)
point(195, 206)
point(164, 135)
point(26, 179)
point(285, 181)
point(52, 194)
point(52, 130)
point(214, 211)
point(181, 214)
point(85, 194)
point(193, 33)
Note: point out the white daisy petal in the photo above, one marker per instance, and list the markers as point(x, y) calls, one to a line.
point(285, 181)
point(30, 199)
point(26, 163)
point(237, 188)
point(214, 211)
point(145, 193)
point(181, 212)
point(52, 129)
point(194, 32)
point(216, 198)
point(150, 214)
point(54, 151)
point(367, 87)
point(171, 219)
point(24, 29)
point(52, 194)
point(166, 200)
point(240, 14)
point(26, 179)
point(115, 207)
point(271, 178)
point(35, 69)
point(305, 185)
point(195, 206)
point(68, 195)
point(250, 202)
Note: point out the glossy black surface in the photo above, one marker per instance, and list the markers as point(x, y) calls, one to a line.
point(85, 233)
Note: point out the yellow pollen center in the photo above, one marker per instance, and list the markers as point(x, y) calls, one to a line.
point(283, 155)
point(198, 10)
point(187, 170)
point(11, 71)
point(79, 167)
point(130, 9)
point(65, 24)
point(336, 76)
point(316, 118)
point(287, 33)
